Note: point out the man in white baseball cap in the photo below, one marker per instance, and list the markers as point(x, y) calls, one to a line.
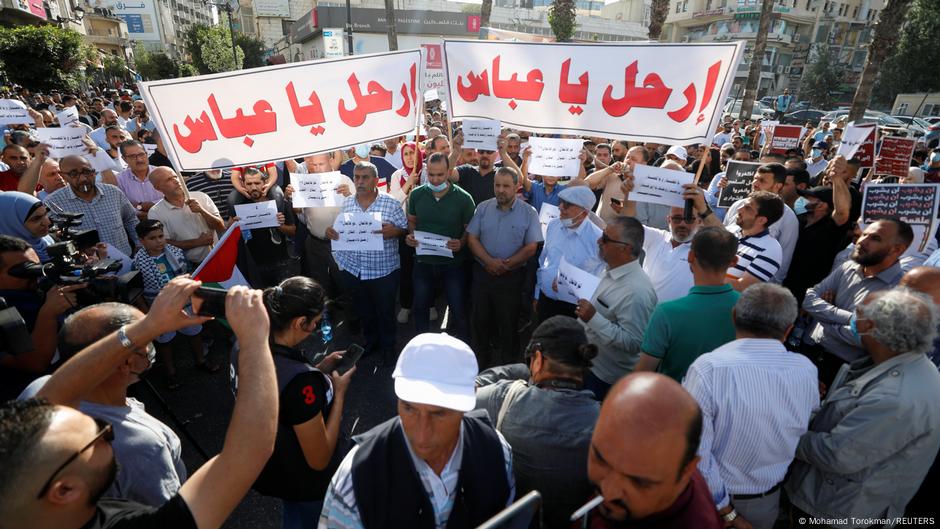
point(434, 465)
point(677, 153)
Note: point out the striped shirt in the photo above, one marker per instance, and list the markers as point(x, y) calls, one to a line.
point(756, 399)
point(218, 189)
point(786, 230)
point(109, 212)
point(758, 255)
point(340, 510)
point(372, 264)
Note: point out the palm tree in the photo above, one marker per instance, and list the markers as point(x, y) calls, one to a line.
point(887, 33)
point(757, 59)
point(485, 17)
point(658, 11)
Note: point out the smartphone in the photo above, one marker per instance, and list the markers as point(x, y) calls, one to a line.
point(209, 301)
point(350, 357)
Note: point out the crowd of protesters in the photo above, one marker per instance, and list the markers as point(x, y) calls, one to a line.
point(770, 364)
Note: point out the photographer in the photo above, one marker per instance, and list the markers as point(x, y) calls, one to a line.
point(24, 216)
point(308, 435)
point(41, 317)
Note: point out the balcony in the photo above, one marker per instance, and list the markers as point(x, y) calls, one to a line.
point(107, 40)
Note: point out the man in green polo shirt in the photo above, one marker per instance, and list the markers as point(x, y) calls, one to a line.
point(681, 330)
point(441, 208)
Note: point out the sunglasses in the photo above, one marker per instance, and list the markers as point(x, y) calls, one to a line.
point(484, 151)
point(105, 431)
point(605, 239)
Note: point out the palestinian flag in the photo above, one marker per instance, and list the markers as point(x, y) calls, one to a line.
point(219, 268)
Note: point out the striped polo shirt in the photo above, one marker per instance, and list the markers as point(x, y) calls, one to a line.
point(759, 255)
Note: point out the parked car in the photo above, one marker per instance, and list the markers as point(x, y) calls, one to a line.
point(886, 124)
point(800, 117)
point(933, 135)
point(933, 120)
point(916, 125)
point(759, 110)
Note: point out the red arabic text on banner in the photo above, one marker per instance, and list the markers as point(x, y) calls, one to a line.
point(664, 93)
point(858, 141)
point(261, 115)
point(785, 137)
point(894, 158)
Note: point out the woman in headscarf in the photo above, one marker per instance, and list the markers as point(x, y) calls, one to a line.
point(24, 216)
point(402, 182)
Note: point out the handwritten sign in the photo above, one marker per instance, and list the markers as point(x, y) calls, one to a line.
point(316, 190)
point(67, 116)
point(480, 134)
point(101, 161)
point(357, 232)
point(740, 175)
point(250, 117)
point(894, 158)
point(858, 141)
point(656, 185)
point(432, 244)
point(257, 215)
point(574, 283)
point(915, 204)
point(63, 141)
point(784, 138)
point(13, 111)
point(547, 214)
point(555, 157)
point(652, 92)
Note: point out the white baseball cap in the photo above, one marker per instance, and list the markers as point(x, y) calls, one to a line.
point(678, 151)
point(439, 370)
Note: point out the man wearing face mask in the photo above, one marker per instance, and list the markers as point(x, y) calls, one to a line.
point(572, 237)
point(816, 163)
point(360, 153)
point(932, 167)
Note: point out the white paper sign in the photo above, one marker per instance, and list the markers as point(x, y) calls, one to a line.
point(260, 115)
point(431, 95)
point(357, 232)
point(656, 185)
point(480, 134)
point(63, 141)
point(101, 161)
point(852, 139)
point(649, 92)
point(547, 214)
point(257, 215)
point(13, 111)
point(150, 148)
point(574, 283)
point(432, 244)
point(316, 190)
point(555, 157)
point(67, 116)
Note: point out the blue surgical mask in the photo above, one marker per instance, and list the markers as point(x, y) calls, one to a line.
point(409, 137)
point(439, 187)
point(567, 223)
point(799, 207)
point(853, 326)
point(817, 153)
point(935, 157)
point(362, 151)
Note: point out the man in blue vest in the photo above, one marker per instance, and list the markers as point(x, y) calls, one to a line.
point(433, 466)
point(782, 104)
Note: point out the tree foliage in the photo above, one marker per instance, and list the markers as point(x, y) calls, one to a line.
point(211, 49)
point(912, 67)
point(561, 18)
point(153, 66)
point(823, 78)
point(253, 48)
point(883, 43)
point(114, 66)
point(42, 57)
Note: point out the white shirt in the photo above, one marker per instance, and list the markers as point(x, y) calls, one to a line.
point(721, 138)
point(181, 224)
point(319, 219)
point(394, 158)
point(667, 267)
point(814, 168)
point(786, 230)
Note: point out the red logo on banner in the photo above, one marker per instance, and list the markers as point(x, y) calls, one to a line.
point(434, 59)
point(473, 23)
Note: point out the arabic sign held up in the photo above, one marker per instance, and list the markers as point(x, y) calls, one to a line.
point(785, 137)
point(667, 93)
point(915, 204)
point(740, 175)
point(894, 158)
point(261, 115)
point(858, 141)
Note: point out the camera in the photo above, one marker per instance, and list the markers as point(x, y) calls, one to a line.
point(14, 335)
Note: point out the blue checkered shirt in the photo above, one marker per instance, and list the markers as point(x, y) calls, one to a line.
point(372, 265)
point(109, 212)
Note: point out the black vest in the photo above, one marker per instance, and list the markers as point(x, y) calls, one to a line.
point(389, 493)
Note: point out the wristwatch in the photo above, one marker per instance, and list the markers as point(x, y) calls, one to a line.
point(708, 211)
point(730, 516)
point(122, 337)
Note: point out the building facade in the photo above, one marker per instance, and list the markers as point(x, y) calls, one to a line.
point(921, 105)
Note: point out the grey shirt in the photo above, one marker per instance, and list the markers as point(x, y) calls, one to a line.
point(550, 431)
point(624, 301)
point(850, 286)
point(872, 441)
point(503, 232)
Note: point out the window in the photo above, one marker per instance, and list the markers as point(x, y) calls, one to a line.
point(285, 26)
point(902, 109)
point(855, 12)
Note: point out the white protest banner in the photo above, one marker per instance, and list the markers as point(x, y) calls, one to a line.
point(63, 141)
point(853, 137)
point(257, 215)
point(574, 283)
point(664, 93)
point(480, 134)
point(432, 244)
point(555, 157)
point(433, 70)
point(656, 185)
point(67, 116)
point(250, 117)
point(13, 111)
point(316, 190)
point(547, 214)
point(358, 232)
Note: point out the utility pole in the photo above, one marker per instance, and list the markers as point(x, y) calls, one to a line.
point(227, 7)
point(390, 25)
point(349, 29)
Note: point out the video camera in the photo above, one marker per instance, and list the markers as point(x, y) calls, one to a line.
point(14, 334)
point(69, 266)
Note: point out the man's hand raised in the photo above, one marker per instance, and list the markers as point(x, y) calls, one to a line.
point(166, 313)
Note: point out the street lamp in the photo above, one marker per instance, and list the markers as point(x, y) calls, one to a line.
point(78, 12)
point(227, 7)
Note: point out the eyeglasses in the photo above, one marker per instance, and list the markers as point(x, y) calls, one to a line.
point(77, 173)
point(105, 431)
point(484, 151)
point(136, 155)
point(679, 219)
point(605, 239)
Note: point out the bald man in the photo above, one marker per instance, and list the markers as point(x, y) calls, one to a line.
point(17, 159)
point(148, 452)
point(642, 458)
point(189, 224)
point(109, 118)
